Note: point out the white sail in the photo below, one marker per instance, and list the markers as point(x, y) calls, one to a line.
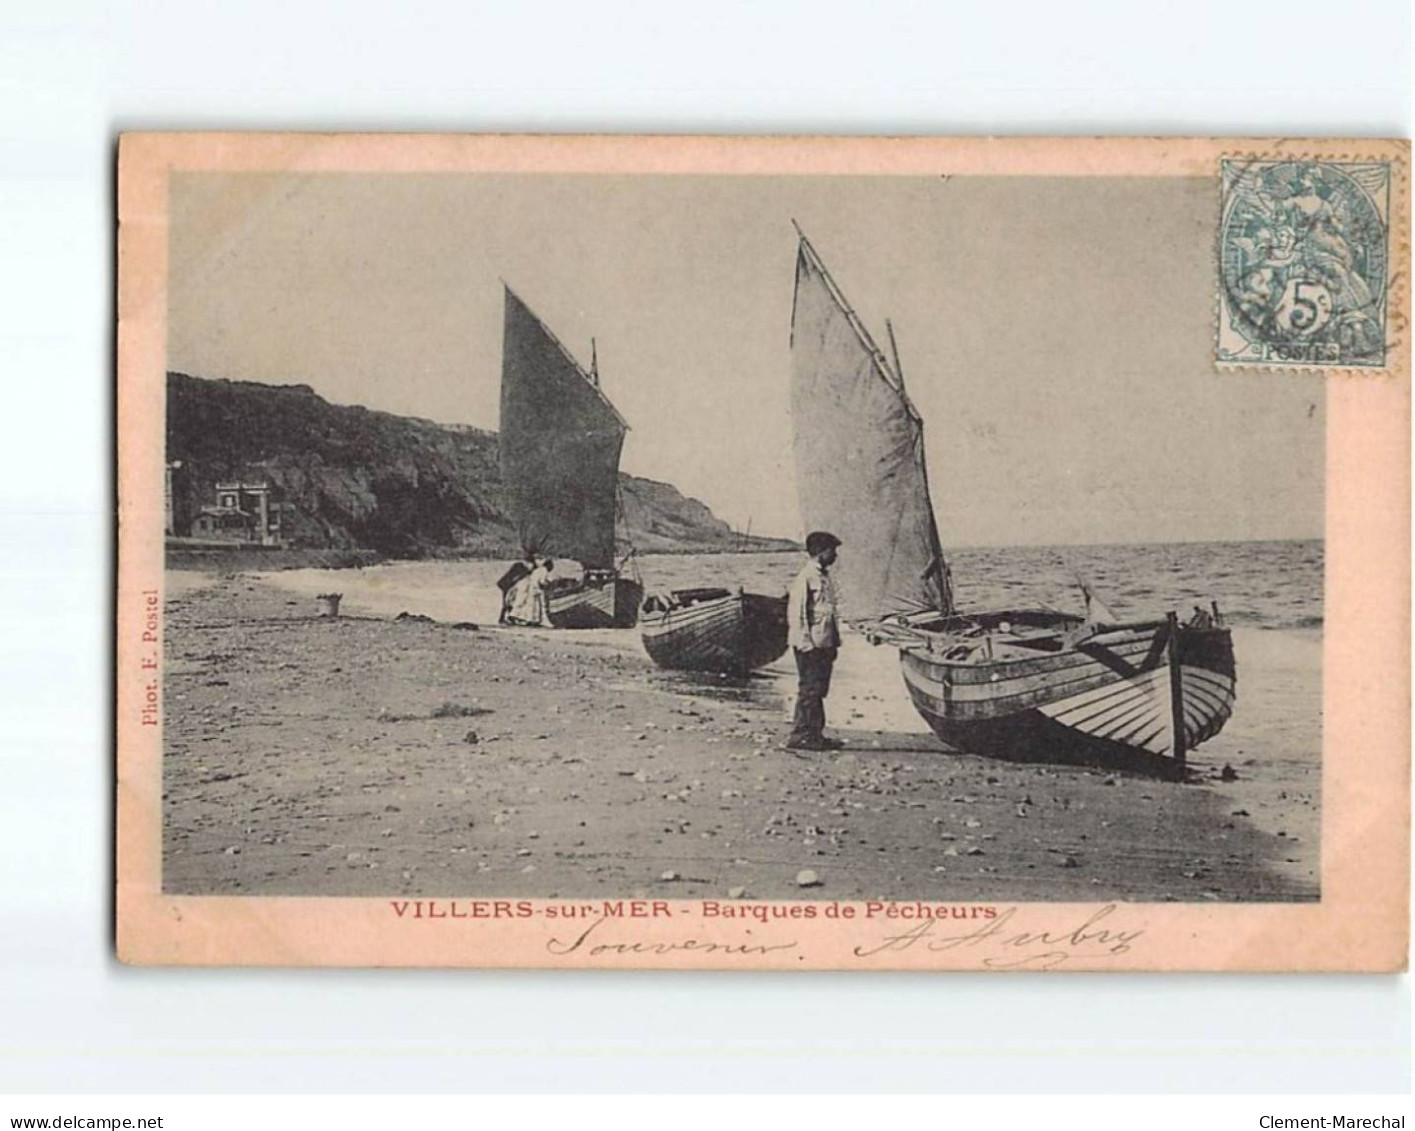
point(859, 449)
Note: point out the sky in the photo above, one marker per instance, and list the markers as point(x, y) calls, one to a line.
point(1055, 333)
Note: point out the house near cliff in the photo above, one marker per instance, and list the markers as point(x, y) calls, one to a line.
point(243, 512)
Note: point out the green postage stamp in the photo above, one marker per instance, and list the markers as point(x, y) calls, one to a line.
point(1304, 263)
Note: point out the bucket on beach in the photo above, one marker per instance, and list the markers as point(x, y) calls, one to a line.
point(329, 604)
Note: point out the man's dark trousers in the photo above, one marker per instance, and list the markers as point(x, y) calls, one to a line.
point(813, 671)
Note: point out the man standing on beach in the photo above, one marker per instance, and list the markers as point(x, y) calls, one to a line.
point(815, 638)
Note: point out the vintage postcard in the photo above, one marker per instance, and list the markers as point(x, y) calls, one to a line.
point(746, 553)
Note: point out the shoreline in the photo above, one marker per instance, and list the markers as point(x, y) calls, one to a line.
point(186, 556)
point(369, 756)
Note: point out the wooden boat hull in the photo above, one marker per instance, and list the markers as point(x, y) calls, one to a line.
point(1141, 696)
point(714, 631)
point(611, 602)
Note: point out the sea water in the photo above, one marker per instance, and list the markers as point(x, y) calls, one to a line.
point(1270, 593)
point(1265, 585)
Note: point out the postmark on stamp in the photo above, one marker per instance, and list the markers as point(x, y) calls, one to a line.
point(1303, 263)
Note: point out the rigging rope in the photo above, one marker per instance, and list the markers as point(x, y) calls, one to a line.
point(622, 511)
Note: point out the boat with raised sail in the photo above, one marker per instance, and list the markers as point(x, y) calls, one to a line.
point(1019, 684)
point(560, 441)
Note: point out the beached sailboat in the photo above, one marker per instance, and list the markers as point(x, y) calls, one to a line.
point(560, 445)
point(1017, 684)
point(714, 630)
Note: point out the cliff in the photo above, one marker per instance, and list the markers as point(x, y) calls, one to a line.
point(405, 487)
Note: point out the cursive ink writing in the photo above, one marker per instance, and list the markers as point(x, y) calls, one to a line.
point(1003, 947)
point(698, 946)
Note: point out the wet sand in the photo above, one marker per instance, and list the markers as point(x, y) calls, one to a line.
point(369, 756)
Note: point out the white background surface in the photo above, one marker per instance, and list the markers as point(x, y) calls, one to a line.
point(73, 75)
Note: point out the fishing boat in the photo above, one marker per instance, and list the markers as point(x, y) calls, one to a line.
point(560, 445)
point(1019, 684)
point(714, 630)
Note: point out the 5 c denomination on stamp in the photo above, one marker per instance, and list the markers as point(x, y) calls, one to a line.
point(1303, 262)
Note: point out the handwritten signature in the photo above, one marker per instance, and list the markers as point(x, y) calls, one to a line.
point(1005, 948)
point(559, 947)
point(997, 943)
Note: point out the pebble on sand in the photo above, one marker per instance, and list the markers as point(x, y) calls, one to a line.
point(806, 878)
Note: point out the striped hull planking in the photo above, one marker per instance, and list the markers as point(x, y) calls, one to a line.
point(732, 633)
point(1140, 696)
point(604, 603)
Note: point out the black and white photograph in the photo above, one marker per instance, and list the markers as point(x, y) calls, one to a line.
point(866, 538)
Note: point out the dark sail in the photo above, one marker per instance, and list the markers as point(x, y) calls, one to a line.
point(560, 444)
point(860, 457)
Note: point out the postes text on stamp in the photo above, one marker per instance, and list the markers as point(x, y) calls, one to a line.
point(1303, 257)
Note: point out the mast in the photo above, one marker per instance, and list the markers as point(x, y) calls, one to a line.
point(894, 349)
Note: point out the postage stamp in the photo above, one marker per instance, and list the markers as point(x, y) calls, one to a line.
point(1304, 255)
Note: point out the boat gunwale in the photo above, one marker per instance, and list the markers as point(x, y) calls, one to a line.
point(702, 610)
point(992, 691)
point(924, 651)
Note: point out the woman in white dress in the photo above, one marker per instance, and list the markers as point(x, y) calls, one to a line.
point(527, 602)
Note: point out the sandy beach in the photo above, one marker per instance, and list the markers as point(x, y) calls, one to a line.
point(367, 755)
